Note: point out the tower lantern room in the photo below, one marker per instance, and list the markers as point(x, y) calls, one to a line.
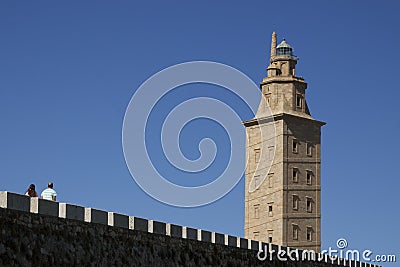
point(284, 49)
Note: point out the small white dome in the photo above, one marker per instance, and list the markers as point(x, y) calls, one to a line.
point(283, 44)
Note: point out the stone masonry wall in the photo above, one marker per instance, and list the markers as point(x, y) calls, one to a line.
point(33, 238)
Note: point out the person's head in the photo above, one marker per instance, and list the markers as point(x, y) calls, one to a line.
point(50, 185)
point(32, 187)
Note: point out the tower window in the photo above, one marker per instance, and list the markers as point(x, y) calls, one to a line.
point(270, 236)
point(270, 180)
point(270, 210)
point(295, 202)
point(256, 235)
point(256, 181)
point(257, 211)
point(309, 177)
point(309, 233)
point(295, 146)
point(295, 231)
point(299, 101)
point(257, 155)
point(295, 175)
point(271, 153)
point(309, 204)
point(309, 149)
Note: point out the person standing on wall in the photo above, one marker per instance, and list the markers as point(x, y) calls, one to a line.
point(49, 193)
point(31, 191)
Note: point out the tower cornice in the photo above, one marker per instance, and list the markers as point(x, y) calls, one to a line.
point(283, 79)
point(280, 116)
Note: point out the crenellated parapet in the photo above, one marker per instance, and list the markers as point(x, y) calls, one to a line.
point(151, 241)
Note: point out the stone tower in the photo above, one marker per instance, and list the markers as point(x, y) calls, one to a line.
point(282, 198)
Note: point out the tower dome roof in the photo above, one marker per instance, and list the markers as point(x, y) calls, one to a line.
point(284, 44)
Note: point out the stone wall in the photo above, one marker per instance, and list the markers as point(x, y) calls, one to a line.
point(36, 232)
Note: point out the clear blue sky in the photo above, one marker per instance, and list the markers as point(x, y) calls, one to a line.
point(69, 68)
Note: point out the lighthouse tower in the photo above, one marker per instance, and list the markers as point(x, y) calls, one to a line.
point(285, 208)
